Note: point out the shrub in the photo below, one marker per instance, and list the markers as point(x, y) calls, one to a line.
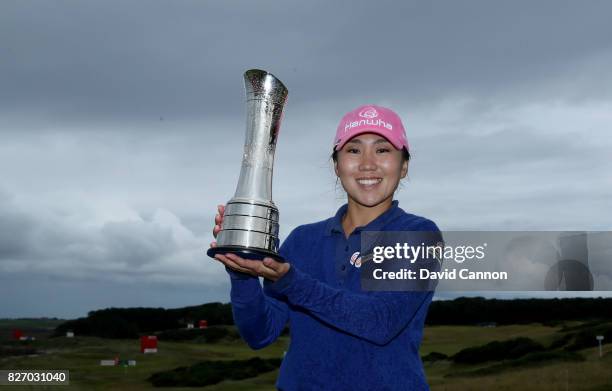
point(582, 336)
point(434, 356)
point(561, 341)
point(212, 372)
point(510, 349)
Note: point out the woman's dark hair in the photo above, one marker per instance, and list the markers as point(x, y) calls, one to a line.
point(405, 155)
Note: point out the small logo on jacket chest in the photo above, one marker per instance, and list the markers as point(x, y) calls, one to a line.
point(355, 259)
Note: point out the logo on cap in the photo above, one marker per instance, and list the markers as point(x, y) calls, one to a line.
point(369, 112)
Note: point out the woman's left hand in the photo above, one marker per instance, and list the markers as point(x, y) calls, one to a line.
point(268, 268)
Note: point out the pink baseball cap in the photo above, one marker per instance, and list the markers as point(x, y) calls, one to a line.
point(371, 119)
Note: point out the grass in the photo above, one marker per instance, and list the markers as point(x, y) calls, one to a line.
point(590, 375)
point(451, 339)
point(81, 355)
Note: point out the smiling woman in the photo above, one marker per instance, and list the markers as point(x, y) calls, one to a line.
point(338, 330)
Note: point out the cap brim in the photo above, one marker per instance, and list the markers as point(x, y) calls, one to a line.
point(340, 145)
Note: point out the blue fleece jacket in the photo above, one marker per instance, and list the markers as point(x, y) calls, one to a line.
point(342, 338)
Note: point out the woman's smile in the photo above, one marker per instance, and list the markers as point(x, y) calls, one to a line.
point(369, 183)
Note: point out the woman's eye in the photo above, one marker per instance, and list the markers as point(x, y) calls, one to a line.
point(383, 150)
point(352, 150)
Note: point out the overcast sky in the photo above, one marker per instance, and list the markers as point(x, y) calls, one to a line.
point(122, 124)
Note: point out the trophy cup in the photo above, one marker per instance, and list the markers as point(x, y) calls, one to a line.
point(250, 221)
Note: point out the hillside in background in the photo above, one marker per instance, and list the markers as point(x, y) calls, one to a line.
point(132, 322)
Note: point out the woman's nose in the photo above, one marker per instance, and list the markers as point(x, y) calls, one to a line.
point(368, 161)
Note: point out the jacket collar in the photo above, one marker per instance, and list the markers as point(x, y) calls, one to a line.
point(334, 225)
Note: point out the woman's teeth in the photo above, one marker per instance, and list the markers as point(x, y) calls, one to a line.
point(368, 182)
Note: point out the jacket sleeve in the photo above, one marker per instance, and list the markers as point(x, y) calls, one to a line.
point(259, 317)
point(377, 317)
point(374, 316)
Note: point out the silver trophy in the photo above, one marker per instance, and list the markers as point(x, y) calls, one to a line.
point(250, 222)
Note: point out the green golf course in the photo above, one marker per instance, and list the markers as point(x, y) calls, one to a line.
point(548, 369)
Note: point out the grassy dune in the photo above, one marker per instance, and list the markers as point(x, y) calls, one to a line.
point(81, 356)
point(450, 339)
point(592, 374)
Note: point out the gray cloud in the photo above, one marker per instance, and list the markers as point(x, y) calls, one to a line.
point(155, 250)
point(139, 60)
point(15, 228)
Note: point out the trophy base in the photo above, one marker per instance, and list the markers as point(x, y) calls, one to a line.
point(244, 252)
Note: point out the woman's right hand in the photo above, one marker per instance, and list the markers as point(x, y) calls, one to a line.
point(218, 223)
point(216, 229)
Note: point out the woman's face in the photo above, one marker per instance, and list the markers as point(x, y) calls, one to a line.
point(370, 169)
